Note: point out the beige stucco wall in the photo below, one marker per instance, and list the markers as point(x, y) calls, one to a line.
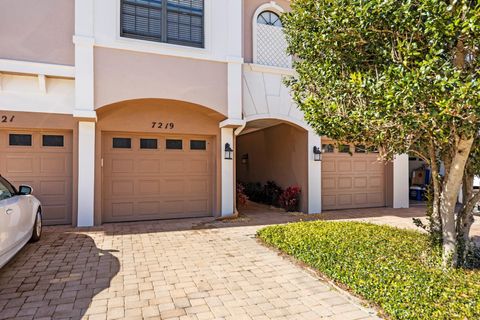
point(249, 8)
point(39, 31)
point(124, 75)
point(277, 153)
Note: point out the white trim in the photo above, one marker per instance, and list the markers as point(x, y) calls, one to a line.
point(272, 6)
point(42, 83)
point(280, 117)
point(86, 173)
point(400, 182)
point(232, 123)
point(47, 69)
point(227, 175)
point(314, 175)
point(270, 69)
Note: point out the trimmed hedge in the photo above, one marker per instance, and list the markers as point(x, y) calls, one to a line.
point(394, 268)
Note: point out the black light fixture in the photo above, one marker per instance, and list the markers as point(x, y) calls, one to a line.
point(228, 152)
point(245, 158)
point(317, 154)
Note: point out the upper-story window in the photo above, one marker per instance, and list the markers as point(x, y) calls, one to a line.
point(270, 44)
point(171, 21)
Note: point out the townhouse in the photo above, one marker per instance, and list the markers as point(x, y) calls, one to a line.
point(130, 110)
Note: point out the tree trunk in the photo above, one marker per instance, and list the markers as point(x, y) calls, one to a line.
point(435, 221)
point(465, 217)
point(448, 200)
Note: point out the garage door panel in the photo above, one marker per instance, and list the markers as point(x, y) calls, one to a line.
point(149, 187)
point(173, 165)
point(344, 166)
point(360, 182)
point(163, 183)
point(20, 164)
point(344, 183)
point(360, 166)
point(54, 164)
point(122, 165)
point(352, 181)
point(344, 199)
point(56, 188)
point(120, 209)
point(122, 188)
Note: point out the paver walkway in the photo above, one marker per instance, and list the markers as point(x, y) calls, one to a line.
point(184, 269)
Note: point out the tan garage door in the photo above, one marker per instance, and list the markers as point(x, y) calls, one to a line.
point(156, 177)
point(355, 180)
point(42, 160)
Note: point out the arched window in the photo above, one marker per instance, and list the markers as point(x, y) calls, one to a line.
point(269, 18)
point(270, 46)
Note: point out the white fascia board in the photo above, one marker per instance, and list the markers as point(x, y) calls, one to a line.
point(27, 67)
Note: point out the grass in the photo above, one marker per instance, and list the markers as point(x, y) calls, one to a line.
point(392, 268)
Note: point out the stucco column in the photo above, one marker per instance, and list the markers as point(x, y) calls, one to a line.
point(314, 175)
point(86, 173)
point(228, 181)
point(400, 182)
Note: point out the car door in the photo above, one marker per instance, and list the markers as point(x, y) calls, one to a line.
point(10, 219)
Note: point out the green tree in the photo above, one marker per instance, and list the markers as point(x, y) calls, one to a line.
point(398, 75)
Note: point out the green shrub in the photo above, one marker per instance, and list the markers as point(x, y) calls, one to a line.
point(393, 268)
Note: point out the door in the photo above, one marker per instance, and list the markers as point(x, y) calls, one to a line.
point(149, 177)
point(352, 177)
point(43, 160)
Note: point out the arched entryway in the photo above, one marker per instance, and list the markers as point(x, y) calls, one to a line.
point(156, 159)
point(275, 150)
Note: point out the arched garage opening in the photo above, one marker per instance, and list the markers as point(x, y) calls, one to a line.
point(273, 150)
point(156, 159)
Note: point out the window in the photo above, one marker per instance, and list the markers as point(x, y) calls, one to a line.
point(174, 144)
point(198, 145)
point(328, 148)
point(270, 45)
point(360, 149)
point(270, 19)
point(20, 139)
point(6, 189)
point(148, 144)
point(122, 143)
point(344, 148)
point(52, 141)
point(171, 21)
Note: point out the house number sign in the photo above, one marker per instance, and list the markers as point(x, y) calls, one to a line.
point(163, 125)
point(6, 119)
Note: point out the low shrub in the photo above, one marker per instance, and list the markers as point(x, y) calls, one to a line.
point(396, 269)
point(272, 193)
point(290, 199)
point(242, 198)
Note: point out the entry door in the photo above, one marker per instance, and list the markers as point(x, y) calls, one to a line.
point(149, 177)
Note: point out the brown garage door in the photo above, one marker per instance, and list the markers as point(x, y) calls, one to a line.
point(355, 180)
point(156, 177)
point(42, 160)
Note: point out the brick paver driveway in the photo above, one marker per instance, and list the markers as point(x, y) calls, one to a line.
point(187, 269)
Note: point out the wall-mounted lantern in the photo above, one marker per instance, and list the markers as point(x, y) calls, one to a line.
point(317, 154)
point(245, 158)
point(228, 152)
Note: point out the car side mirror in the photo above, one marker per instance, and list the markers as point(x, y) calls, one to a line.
point(25, 190)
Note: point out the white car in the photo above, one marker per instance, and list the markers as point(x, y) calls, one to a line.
point(20, 219)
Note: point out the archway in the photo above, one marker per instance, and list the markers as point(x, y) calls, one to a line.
point(273, 153)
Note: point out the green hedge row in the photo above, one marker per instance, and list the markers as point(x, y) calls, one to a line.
point(393, 268)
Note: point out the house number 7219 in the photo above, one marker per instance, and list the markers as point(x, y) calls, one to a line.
point(163, 125)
